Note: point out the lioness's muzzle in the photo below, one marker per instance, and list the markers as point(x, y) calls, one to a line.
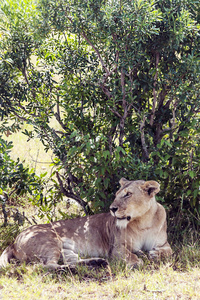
point(113, 209)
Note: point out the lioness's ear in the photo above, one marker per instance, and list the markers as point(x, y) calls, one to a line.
point(123, 181)
point(151, 187)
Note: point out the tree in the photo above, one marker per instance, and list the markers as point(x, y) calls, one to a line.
point(121, 79)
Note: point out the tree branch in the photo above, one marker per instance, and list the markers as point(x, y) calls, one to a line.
point(144, 146)
point(27, 81)
point(154, 90)
point(115, 113)
point(111, 138)
point(57, 115)
point(18, 116)
point(123, 88)
point(3, 199)
point(71, 195)
point(105, 90)
point(96, 50)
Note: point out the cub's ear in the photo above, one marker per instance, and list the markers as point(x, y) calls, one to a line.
point(123, 181)
point(151, 187)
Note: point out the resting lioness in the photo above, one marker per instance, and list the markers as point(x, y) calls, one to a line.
point(137, 222)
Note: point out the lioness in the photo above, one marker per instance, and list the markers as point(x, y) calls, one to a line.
point(137, 222)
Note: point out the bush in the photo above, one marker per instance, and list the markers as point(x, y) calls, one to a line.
point(15, 178)
point(121, 79)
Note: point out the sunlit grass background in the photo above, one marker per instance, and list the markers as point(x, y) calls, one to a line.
point(30, 151)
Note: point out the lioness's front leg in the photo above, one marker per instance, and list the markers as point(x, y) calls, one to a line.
point(160, 251)
point(131, 259)
point(72, 259)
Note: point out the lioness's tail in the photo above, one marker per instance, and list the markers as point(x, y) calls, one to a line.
point(6, 256)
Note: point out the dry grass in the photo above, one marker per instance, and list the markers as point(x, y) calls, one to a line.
point(177, 278)
point(33, 283)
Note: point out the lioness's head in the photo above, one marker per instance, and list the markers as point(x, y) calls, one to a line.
point(133, 200)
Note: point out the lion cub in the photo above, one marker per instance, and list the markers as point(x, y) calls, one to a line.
point(136, 223)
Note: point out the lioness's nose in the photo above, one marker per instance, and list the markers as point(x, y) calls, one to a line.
point(114, 209)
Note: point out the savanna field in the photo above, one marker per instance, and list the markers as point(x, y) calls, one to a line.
point(179, 278)
point(93, 91)
point(176, 278)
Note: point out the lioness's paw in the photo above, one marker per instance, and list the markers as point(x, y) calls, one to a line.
point(141, 254)
point(153, 254)
point(137, 264)
point(100, 262)
point(94, 262)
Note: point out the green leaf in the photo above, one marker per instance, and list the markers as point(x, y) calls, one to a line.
point(106, 154)
point(106, 182)
point(192, 174)
point(168, 143)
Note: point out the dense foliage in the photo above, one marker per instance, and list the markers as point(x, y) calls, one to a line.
point(121, 79)
point(16, 179)
point(14, 174)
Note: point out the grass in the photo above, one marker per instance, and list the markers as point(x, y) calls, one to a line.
point(33, 282)
point(176, 278)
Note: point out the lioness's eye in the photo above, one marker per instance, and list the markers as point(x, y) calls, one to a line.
point(128, 194)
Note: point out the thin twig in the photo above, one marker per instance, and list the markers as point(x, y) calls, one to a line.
point(71, 195)
point(144, 146)
point(96, 50)
point(154, 90)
